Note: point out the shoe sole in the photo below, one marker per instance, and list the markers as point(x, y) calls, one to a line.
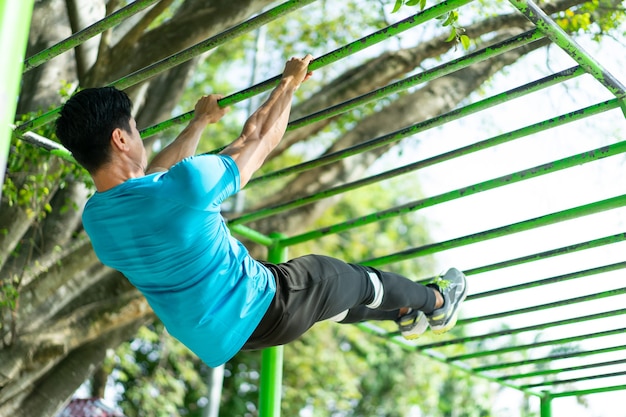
point(420, 327)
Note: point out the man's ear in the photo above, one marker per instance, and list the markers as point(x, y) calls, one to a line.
point(119, 140)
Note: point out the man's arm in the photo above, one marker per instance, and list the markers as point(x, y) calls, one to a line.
point(206, 111)
point(266, 127)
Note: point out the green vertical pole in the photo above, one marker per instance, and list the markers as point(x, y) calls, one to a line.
point(272, 358)
point(546, 405)
point(14, 25)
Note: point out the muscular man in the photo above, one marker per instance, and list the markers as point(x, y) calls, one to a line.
point(160, 225)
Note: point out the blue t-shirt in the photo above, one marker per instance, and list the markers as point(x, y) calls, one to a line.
point(165, 233)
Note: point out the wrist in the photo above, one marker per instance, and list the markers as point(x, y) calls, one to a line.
point(289, 84)
point(201, 120)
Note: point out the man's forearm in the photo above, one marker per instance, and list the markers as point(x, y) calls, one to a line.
point(266, 126)
point(269, 122)
point(183, 146)
point(262, 132)
point(207, 110)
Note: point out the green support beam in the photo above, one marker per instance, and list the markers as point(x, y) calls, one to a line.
point(252, 24)
point(553, 218)
point(441, 120)
point(270, 390)
point(554, 342)
point(526, 174)
point(546, 306)
point(546, 359)
point(570, 47)
point(573, 380)
point(545, 407)
point(89, 32)
point(578, 393)
point(181, 57)
point(327, 59)
point(552, 371)
point(436, 356)
point(534, 327)
point(421, 78)
point(552, 280)
point(15, 19)
point(595, 243)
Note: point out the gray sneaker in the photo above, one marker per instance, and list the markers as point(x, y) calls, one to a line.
point(453, 288)
point(412, 324)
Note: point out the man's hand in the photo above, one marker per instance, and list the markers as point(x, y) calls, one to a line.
point(208, 110)
point(296, 71)
point(266, 126)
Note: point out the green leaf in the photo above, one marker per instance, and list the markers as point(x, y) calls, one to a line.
point(397, 6)
point(452, 35)
point(465, 41)
point(413, 2)
point(449, 19)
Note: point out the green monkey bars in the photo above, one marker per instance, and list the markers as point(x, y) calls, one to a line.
point(14, 24)
point(516, 356)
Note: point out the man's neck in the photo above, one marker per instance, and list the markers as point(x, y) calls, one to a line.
point(111, 176)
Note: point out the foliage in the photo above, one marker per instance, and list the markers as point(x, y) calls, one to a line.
point(32, 177)
point(158, 376)
point(597, 18)
point(451, 19)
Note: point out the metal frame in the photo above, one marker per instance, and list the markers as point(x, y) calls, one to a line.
point(530, 376)
point(14, 24)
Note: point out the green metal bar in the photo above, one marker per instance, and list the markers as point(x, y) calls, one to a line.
point(207, 45)
point(329, 58)
point(588, 391)
point(563, 40)
point(510, 332)
point(545, 405)
point(441, 198)
point(436, 356)
point(272, 358)
point(87, 33)
point(545, 359)
point(548, 254)
point(252, 234)
point(559, 278)
point(542, 344)
point(546, 220)
point(423, 77)
point(572, 380)
point(15, 17)
point(431, 123)
point(181, 57)
point(495, 141)
point(500, 98)
point(545, 372)
point(546, 306)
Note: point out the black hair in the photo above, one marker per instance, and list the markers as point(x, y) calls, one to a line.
point(87, 121)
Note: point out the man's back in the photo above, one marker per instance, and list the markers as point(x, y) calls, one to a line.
point(164, 232)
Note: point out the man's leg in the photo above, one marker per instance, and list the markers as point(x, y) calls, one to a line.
point(316, 288)
point(435, 305)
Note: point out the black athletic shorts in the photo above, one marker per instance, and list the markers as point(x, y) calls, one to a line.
point(309, 289)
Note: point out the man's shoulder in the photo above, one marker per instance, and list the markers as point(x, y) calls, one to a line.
point(202, 166)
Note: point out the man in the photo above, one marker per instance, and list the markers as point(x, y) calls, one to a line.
point(160, 225)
